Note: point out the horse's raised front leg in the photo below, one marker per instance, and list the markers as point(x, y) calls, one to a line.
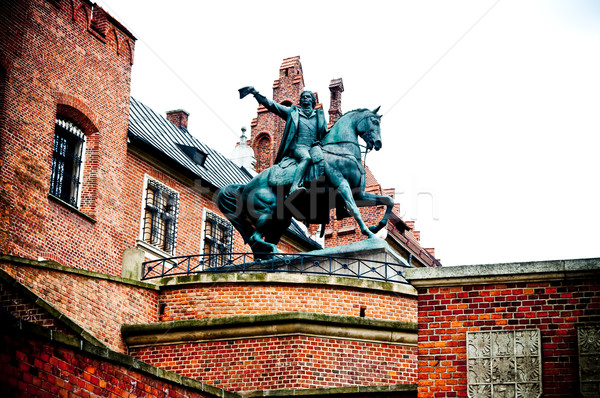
point(370, 199)
point(346, 193)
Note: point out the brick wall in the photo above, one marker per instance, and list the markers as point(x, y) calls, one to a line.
point(232, 299)
point(286, 362)
point(26, 309)
point(55, 62)
point(555, 307)
point(98, 305)
point(34, 367)
point(193, 201)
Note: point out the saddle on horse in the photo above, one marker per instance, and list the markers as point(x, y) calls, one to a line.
point(283, 172)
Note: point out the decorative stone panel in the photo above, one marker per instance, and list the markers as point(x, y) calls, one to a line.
point(589, 361)
point(504, 364)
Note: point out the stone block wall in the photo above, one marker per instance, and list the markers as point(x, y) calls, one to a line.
point(556, 298)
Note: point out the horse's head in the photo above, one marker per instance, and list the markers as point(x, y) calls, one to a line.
point(368, 128)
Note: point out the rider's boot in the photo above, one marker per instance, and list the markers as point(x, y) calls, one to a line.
point(298, 176)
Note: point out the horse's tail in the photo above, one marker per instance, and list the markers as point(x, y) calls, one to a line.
point(229, 201)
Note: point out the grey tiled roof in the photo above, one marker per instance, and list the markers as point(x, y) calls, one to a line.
point(155, 130)
point(163, 136)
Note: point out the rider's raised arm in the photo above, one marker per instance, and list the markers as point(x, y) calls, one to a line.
point(278, 109)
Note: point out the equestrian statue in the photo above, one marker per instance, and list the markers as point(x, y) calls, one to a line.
point(315, 170)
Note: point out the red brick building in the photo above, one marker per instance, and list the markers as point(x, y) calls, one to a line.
point(93, 183)
point(85, 176)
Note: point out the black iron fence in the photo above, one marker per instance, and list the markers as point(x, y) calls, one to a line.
point(280, 262)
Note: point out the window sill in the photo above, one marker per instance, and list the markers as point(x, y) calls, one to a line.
point(72, 208)
point(154, 251)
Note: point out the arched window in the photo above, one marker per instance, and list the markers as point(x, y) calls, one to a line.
point(67, 158)
point(263, 154)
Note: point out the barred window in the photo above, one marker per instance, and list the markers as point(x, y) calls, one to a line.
point(160, 216)
point(65, 178)
point(218, 239)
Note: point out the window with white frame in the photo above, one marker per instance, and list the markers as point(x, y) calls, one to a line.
point(218, 239)
point(67, 159)
point(159, 224)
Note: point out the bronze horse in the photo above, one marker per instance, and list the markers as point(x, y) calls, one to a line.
point(261, 210)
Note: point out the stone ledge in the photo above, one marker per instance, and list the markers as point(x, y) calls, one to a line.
point(336, 391)
point(55, 266)
point(504, 273)
point(20, 328)
point(288, 278)
point(269, 325)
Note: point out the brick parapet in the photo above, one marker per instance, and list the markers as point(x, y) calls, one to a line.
point(266, 331)
point(242, 297)
point(98, 303)
point(556, 297)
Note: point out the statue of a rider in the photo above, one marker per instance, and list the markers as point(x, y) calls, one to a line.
point(305, 126)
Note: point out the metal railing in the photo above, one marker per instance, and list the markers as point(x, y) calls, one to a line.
point(280, 262)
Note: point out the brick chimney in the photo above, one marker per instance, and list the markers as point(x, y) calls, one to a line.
point(336, 87)
point(178, 117)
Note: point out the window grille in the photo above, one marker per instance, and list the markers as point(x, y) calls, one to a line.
point(67, 152)
point(160, 216)
point(218, 239)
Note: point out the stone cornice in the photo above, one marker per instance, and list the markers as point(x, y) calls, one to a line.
point(352, 391)
point(269, 325)
point(505, 273)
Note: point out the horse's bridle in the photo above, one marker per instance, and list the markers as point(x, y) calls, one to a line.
point(353, 143)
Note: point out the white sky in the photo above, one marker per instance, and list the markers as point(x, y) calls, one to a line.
point(491, 108)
